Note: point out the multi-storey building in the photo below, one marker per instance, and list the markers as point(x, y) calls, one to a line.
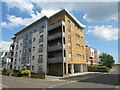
point(30, 50)
point(92, 55)
point(53, 45)
point(66, 47)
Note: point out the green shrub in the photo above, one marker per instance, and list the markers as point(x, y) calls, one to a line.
point(26, 73)
point(95, 68)
point(37, 75)
point(10, 72)
point(17, 73)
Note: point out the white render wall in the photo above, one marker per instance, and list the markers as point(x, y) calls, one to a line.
point(29, 54)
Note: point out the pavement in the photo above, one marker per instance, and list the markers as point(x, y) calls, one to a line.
point(83, 80)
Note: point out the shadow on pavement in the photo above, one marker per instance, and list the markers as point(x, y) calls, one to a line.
point(110, 79)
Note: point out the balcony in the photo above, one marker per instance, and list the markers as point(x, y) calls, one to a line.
point(12, 50)
point(40, 49)
point(58, 24)
point(12, 44)
point(40, 60)
point(55, 60)
point(40, 40)
point(55, 36)
point(54, 48)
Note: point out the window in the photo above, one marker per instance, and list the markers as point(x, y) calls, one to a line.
point(34, 30)
point(19, 59)
point(77, 46)
point(20, 51)
point(76, 26)
point(68, 25)
point(41, 46)
point(15, 62)
point(24, 50)
point(80, 29)
point(83, 47)
point(33, 48)
point(29, 41)
point(78, 56)
point(33, 57)
point(82, 57)
point(16, 54)
point(77, 36)
point(18, 67)
point(40, 69)
point(42, 27)
point(20, 44)
point(70, 55)
point(32, 67)
point(40, 59)
point(81, 38)
point(29, 49)
point(16, 47)
point(33, 39)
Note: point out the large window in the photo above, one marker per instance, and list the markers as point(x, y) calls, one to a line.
point(68, 25)
point(78, 56)
point(77, 46)
point(33, 57)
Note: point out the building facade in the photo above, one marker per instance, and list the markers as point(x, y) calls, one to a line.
point(30, 51)
point(53, 45)
point(92, 55)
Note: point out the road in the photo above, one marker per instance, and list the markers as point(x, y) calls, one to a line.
point(98, 80)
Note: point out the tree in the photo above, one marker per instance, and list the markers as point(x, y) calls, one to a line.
point(107, 60)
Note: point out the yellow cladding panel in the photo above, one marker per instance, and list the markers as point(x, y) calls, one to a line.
point(57, 18)
point(74, 41)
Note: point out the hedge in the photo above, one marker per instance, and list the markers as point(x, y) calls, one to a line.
point(37, 75)
point(95, 68)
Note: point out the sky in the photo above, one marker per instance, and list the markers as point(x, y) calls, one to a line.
point(100, 18)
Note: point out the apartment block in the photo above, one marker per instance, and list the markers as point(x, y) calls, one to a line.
point(30, 51)
point(66, 47)
point(92, 55)
point(53, 45)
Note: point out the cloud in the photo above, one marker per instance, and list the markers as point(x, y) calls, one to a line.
point(18, 21)
point(5, 46)
point(22, 5)
point(95, 11)
point(106, 33)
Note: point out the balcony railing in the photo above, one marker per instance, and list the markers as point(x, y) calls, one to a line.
point(12, 44)
point(55, 60)
point(55, 36)
point(40, 49)
point(54, 47)
point(12, 50)
point(40, 60)
point(58, 24)
point(40, 40)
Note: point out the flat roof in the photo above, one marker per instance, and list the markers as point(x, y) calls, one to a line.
point(78, 22)
point(44, 17)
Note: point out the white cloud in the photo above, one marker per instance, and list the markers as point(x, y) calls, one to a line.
point(22, 5)
point(95, 11)
point(104, 32)
point(17, 21)
point(5, 46)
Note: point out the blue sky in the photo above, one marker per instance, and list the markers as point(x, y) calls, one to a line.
point(100, 19)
